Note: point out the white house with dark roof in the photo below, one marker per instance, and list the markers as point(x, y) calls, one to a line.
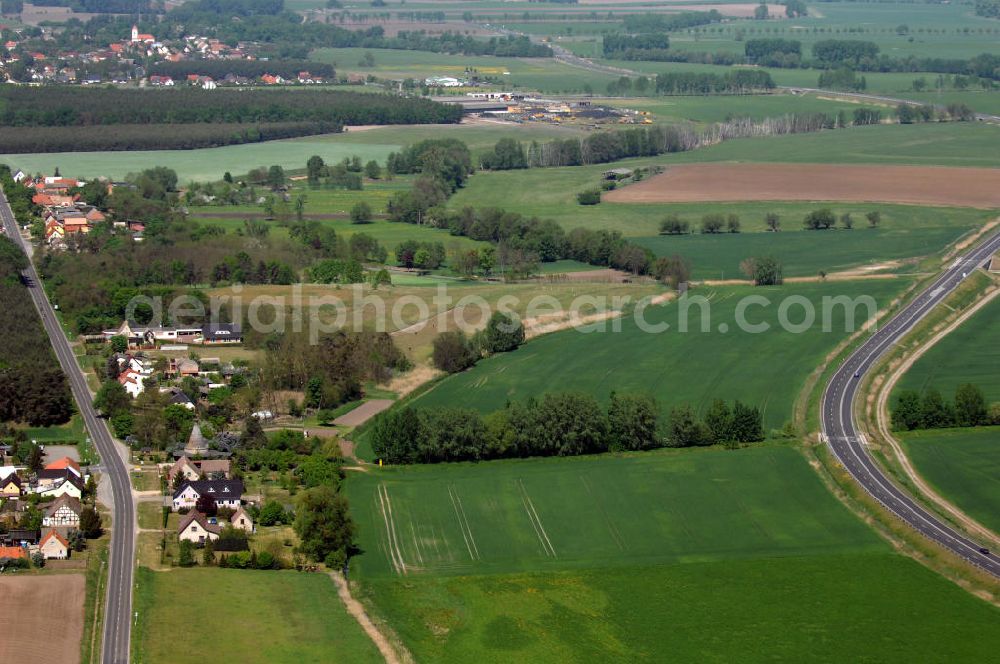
point(227, 493)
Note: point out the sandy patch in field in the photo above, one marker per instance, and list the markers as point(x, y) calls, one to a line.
point(44, 618)
point(412, 379)
point(363, 413)
point(917, 185)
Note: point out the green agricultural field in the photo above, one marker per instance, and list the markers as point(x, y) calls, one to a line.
point(209, 164)
point(969, 354)
point(605, 511)
point(957, 32)
point(803, 253)
point(964, 465)
point(633, 558)
point(826, 608)
point(767, 369)
point(256, 616)
point(887, 83)
point(543, 74)
point(674, 109)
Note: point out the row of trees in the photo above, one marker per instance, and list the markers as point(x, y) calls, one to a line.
point(740, 81)
point(557, 424)
point(219, 69)
point(711, 224)
point(826, 54)
point(76, 106)
point(169, 137)
point(932, 411)
point(824, 219)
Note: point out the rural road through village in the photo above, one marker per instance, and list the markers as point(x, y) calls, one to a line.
point(118, 607)
point(839, 427)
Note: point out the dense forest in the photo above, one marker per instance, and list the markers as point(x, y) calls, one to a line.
point(65, 106)
point(219, 69)
point(635, 47)
point(152, 137)
point(33, 388)
point(104, 6)
point(644, 23)
point(988, 8)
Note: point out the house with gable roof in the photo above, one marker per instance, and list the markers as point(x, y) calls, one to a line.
point(227, 493)
point(54, 546)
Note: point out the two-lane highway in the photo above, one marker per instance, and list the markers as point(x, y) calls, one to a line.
point(118, 608)
point(839, 427)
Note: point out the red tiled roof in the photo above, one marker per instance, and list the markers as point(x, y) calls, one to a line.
point(12, 552)
point(65, 462)
point(49, 535)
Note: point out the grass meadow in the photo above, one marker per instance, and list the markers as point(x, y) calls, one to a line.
point(697, 366)
point(964, 465)
point(250, 616)
point(969, 354)
point(693, 555)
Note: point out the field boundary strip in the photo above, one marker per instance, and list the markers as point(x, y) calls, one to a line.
point(536, 521)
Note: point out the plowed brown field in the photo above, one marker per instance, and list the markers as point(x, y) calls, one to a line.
point(43, 618)
point(918, 185)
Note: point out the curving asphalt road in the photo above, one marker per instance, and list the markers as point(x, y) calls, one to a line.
point(842, 436)
point(118, 606)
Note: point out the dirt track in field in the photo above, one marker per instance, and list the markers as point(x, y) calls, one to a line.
point(43, 620)
point(917, 185)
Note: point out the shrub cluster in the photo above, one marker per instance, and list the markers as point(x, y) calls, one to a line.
point(454, 352)
point(932, 411)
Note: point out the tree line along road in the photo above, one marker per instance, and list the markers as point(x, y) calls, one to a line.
point(118, 607)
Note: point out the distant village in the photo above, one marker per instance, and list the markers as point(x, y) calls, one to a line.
point(123, 62)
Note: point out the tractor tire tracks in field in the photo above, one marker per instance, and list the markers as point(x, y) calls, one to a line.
point(392, 539)
point(463, 523)
point(536, 522)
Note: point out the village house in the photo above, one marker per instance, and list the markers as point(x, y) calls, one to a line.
point(195, 470)
point(10, 487)
point(240, 519)
point(64, 511)
point(182, 367)
point(66, 463)
point(195, 527)
point(198, 528)
point(68, 485)
point(53, 546)
point(227, 493)
point(222, 333)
